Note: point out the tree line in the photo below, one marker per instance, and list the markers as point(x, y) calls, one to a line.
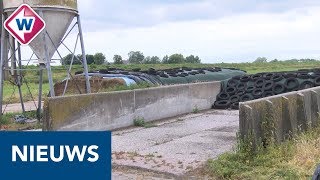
point(135, 57)
point(265, 60)
point(98, 58)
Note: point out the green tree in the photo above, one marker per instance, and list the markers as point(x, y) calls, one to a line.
point(261, 60)
point(147, 60)
point(151, 60)
point(155, 60)
point(176, 59)
point(90, 59)
point(193, 59)
point(99, 58)
point(117, 59)
point(136, 57)
point(165, 59)
point(274, 61)
point(67, 60)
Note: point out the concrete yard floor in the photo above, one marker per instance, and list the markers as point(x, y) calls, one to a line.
point(174, 146)
point(16, 107)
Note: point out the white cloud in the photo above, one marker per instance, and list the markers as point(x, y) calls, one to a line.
point(243, 37)
point(138, 13)
point(235, 37)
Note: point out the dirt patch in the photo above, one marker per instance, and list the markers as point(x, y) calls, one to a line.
point(77, 85)
point(126, 172)
point(199, 173)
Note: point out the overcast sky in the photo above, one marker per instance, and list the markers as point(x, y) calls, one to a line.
point(215, 30)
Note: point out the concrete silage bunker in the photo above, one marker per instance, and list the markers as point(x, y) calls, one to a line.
point(179, 93)
point(276, 118)
point(112, 110)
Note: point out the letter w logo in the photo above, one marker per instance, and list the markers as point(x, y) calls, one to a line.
point(25, 24)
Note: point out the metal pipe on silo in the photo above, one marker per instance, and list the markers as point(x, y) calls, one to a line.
point(85, 65)
point(2, 52)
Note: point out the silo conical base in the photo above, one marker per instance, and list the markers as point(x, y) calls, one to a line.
point(57, 23)
point(58, 15)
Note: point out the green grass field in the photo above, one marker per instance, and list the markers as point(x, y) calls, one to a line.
point(59, 73)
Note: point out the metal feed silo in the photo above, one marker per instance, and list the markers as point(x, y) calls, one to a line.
point(58, 16)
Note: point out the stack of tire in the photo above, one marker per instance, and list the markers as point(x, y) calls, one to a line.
point(192, 75)
point(250, 87)
point(172, 76)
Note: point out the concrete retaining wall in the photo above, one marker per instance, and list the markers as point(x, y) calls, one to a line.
point(108, 111)
point(278, 117)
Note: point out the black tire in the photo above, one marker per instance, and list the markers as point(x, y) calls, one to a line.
point(306, 85)
point(246, 97)
point(267, 94)
point(185, 74)
point(103, 71)
point(78, 72)
point(235, 106)
point(290, 75)
point(277, 77)
point(202, 72)
point(249, 89)
point(234, 98)
point(317, 81)
point(223, 96)
point(232, 83)
point(303, 76)
point(291, 84)
point(164, 75)
point(259, 83)
point(245, 78)
point(187, 69)
point(222, 104)
point(125, 73)
point(316, 70)
point(231, 90)
point(257, 93)
point(278, 88)
point(268, 76)
point(256, 76)
point(240, 92)
point(114, 69)
point(268, 85)
point(241, 86)
point(236, 77)
point(314, 75)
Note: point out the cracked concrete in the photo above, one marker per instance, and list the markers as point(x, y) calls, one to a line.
point(177, 145)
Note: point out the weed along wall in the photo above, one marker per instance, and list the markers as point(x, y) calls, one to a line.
point(108, 111)
point(273, 119)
